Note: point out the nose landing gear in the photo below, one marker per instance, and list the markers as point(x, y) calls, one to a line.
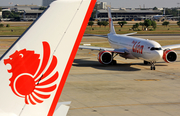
point(153, 66)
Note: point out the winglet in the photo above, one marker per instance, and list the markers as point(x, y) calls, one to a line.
point(111, 26)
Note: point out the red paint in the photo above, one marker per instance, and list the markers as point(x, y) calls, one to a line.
point(100, 55)
point(109, 23)
point(137, 48)
point(166, 52)
point(71, 59)
point(28, 84)
point(24, 82)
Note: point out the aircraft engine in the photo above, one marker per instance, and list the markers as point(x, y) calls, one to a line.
point(105, 57)
point(169, 56)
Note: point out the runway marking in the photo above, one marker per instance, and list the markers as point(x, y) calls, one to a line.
point(145, 104)
point(147, 80)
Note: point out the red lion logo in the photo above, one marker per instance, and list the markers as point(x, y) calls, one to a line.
point(30, 80)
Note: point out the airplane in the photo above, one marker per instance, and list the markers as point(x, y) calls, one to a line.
point(158, 17)
point(132, 48)
point(35, 68)
point(161, 17)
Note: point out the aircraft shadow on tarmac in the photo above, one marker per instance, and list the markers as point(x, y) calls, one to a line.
point(97, 65)
point(118, 67)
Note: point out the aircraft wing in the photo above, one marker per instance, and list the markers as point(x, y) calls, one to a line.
point(35, 68)
point(171, 46)
point(119, 51)
point(129, 34)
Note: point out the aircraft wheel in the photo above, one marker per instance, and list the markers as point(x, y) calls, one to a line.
point(153, 67)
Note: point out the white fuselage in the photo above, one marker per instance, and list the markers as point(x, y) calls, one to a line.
point(137, 48)
point(158, 17)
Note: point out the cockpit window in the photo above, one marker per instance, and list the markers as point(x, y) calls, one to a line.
point(153, 48)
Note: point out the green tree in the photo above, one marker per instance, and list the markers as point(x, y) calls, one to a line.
point(165, 23)
point(11, 15)
point(142, 24)
point(0, 9)
point(42, 8)
point(1, 25)
point(154, 25)
point(5, 14)
point(147, 23)
point(171, 11)
point(99, 23)
point(8, 14)
point(178, 23)
point(8, 25)
point(135, 26)
point(155, 8)
point(91, 23)
point(93, 15)
point(16, 16)
point(105, 23)
point(122, 23)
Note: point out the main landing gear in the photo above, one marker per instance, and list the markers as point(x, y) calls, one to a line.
point(114, 62)
point(152, 63)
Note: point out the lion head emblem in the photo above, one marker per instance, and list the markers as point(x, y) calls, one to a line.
point(30, 76)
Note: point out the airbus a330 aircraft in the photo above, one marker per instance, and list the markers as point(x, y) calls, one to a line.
point(133, 48)
point(159, 17)
point(34, 69)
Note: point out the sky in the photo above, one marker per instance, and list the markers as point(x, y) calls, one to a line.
point(113, 3)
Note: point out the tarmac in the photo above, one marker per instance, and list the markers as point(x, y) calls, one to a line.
point(129, 88)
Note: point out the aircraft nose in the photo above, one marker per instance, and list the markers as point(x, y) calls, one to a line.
point(158, 55)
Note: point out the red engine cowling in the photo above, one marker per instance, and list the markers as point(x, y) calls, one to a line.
point(169, 56)
point(105, 57)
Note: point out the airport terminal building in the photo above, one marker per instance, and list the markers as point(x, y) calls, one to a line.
point(31, 12)
point(126, 15)
point(26, 12)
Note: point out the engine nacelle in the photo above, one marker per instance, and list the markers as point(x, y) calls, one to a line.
point(169, 56)
point(105, 57)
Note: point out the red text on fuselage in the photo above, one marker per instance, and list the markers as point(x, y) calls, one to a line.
point(137, 47)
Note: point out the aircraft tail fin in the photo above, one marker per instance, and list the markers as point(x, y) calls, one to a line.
point(164, 13)
point(35, 68)
point(111, 25)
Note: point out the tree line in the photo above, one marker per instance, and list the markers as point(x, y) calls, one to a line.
point(145, 25)
point(100, 23)
point(171, 11)
point(12, 14)
point(2, 25)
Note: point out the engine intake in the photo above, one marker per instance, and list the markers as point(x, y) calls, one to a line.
point(169, 56)
point(105, 57)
